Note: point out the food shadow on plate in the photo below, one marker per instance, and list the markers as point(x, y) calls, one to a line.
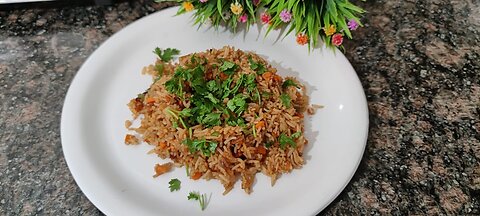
point(309, 133)
point(242, 29)
point(262, 33)
point(262, 30)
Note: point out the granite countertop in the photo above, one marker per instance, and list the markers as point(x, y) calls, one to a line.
point(419, 63)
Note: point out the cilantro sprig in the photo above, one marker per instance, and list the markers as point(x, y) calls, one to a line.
point(174, 185)
point(166, 54)
point(201, 198)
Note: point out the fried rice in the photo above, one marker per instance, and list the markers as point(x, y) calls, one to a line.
point(240, 151)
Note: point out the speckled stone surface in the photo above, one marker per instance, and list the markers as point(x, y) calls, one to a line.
point(419, 62)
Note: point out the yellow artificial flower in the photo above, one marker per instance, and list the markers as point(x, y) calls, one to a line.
point(330, 30)
point(188, 6)
point(236, 8)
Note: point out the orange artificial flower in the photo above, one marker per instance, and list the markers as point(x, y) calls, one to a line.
point(302, 39)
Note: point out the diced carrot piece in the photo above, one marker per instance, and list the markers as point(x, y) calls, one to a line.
point(262, 150)
point(161, 169)
point(131, 140)
point(259, 125)
point(196, 175)
point(223, 76)
point(277, 78)
point(150, 100)
point(267, 75)
point(163, 145)
point(128, 137)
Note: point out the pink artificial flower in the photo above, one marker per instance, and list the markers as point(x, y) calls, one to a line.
point(352, 24)
point(285, 16)
point(243, 18)
point(265, 17)
point(337, 39)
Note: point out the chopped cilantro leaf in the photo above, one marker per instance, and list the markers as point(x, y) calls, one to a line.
point(268, 144)
point(200, 111)
point(174, 185)
point(167, 54)
point(237, 104)
point(284, 140)
point(193, 195)
point(196, 79)
point(289, 82)
point(237, 122)
point(250, 83)
point(193, 59)
point(266, 94)
point(175, 86)
point(256, 66)
point(212, 119)
point(187, 112)
point(226, 87)
point(213, 86)
point(207, 147)
point(286, 100)
point(257, 96)
point(228, 67)
point(212, 98)
point(238, 84)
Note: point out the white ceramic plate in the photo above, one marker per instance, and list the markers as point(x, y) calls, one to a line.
point(118, 178)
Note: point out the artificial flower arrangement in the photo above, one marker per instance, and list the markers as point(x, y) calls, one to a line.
point(311, 20)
